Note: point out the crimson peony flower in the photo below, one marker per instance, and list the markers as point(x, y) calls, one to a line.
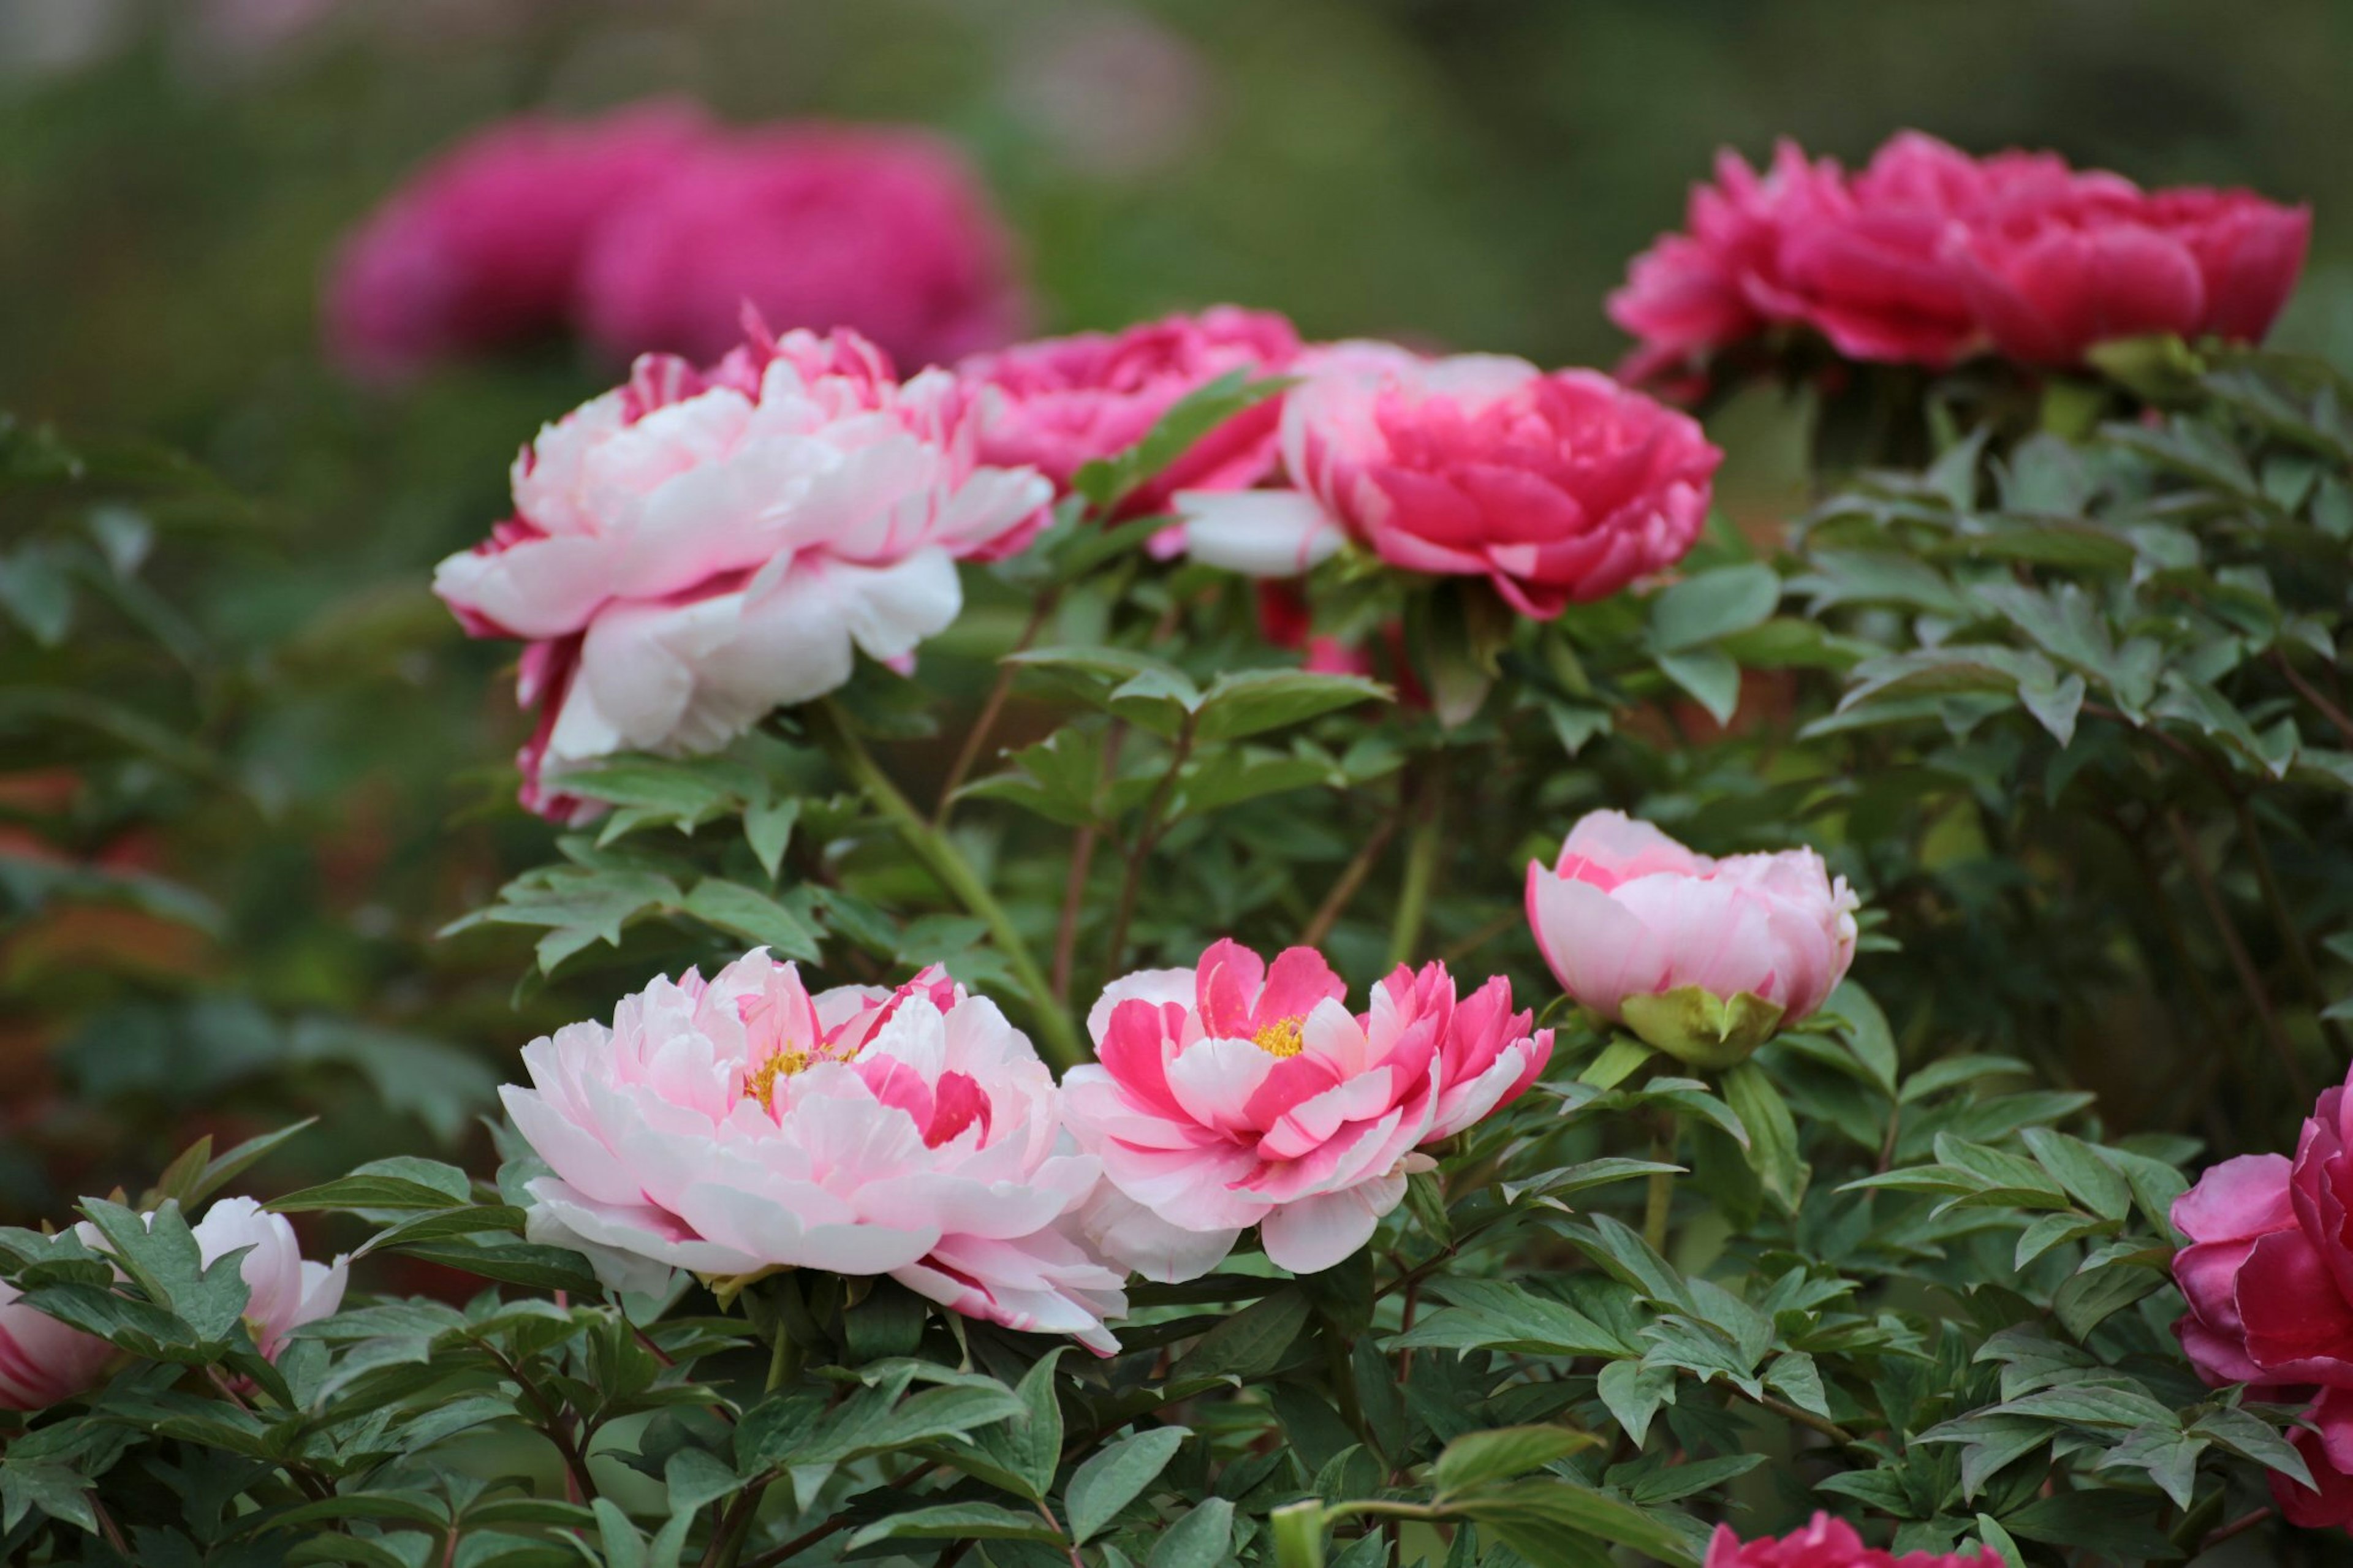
point(1235, 1094)
point(1066, 402)
point(2268, 1273)
point(43, 1361)
point(743, 1123)
point(1829, 1542)
point(1557, 488)
point(691, 550)
point(2049, 279)
point(483, 245)
point(885, 231)
point(1928, 253)
point(1702, 958)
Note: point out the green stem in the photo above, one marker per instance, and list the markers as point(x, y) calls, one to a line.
point(1421, 854)
point(1658, 1202)
point(1058, 1041)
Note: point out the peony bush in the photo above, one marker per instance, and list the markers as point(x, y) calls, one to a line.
point(1220, 948)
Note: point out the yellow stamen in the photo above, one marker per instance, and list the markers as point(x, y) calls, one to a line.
point(1280, 1038)
point(760, 1083)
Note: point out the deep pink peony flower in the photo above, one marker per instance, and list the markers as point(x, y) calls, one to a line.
point(743, 1123)
point(691, 550)
point(1831, 1542)
point(1069, 400)
point(2268, 1273)
point(1234, 1094)
point(43, 1361)
point(1557, 487)
point(2326, 1445)
point(1693, 293)
point(822, 226)
point(483, 245)
point(2049, 279)
point(1669, 942)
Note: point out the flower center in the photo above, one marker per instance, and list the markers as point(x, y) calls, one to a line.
point(760, 1083)
point(1280, 1038)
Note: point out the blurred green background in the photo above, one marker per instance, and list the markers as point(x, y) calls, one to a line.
point(1457, 172)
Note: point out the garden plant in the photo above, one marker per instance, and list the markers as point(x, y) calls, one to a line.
point(1222, 948)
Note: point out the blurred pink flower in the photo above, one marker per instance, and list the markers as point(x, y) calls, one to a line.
point(1928, 254)
point(2051, 280)
point(743, 1123)
point(691, 550)
point(483, 245)
point(1234, 1094)
point(1831, 1542)
point(1557, 487)
point(1066, 402)
point(882, 230)
point(2268, 1273)
point(1629, 920)
point(42, 1360)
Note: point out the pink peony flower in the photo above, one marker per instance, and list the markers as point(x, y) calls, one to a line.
point(2326, 1445)
point(2268, 1273)
point(284, 1290)
point(1066, 402)
point(42, 1360)
point(483, 245)
point(1831, 1542)
point(691, 550)
point(2051, 279)
point(1234, 1094)
point(1702, 958)
point(1557, 487)
point(1693, 294)
point(741, 1124)
point(882, 231)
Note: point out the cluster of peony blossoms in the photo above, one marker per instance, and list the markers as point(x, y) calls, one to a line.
point(697, 547)
point(1702, 958)
point(650, 228)
point(43, 1361)
point(2267, 1274)
point(743, 1124)
point(1927, 255)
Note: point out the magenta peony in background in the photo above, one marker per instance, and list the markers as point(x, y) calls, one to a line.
point(483, 245)
point(1236, 1093)
point(1927, 255)
point(1557, 488)
point(742, 1124)
point(1831, 1542)
point(884, 230)
point(1627, 913)
point(691, 550)
point(1066, 402)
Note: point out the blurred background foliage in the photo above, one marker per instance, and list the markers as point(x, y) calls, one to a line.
point(253, 924)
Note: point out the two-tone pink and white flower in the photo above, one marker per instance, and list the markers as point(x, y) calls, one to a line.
point(743, 1123)
point(1236, 1094)
point(1702, 957)
point(691, 550)
point(1557, 487)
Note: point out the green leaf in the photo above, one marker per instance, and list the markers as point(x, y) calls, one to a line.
point(1554, 1503)
point(1251, 1343)
point(402, 1182)
point(1634, 1393)
point(1712, 604)
point(1111, 1480)
point(1505, 1452)
point(1708, 676)
point(1772, 1131)
point(1248, 701)
point(2088, 1178)
point(768, 829)
point(1199, 1539)
point(1028, 1447)
point(754, 916)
